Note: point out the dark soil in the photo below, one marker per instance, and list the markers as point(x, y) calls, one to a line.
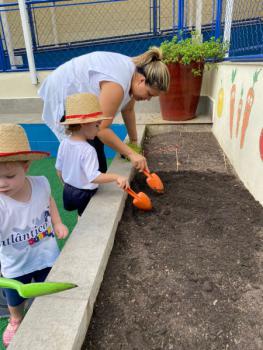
point(187, 275)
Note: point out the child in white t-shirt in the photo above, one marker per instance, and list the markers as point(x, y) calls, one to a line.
point(29, 220)
point(77, 162)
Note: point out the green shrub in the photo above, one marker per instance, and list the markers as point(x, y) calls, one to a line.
point(192, 49)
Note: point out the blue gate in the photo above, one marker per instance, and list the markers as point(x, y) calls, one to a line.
point(61, 30)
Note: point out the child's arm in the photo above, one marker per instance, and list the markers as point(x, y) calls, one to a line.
point(121, 181)
point(59, 174)
point(60, 229)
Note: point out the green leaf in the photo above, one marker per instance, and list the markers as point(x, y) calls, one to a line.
point(191, 50)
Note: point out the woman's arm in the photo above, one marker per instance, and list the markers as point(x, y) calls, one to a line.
point(128, 115)
point(110, 98)
point(108, 137)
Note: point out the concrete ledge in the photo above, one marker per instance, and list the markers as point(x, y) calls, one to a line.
point(60, 321)
point(34, 105)
point(156, 119)
point(153, 130)
point(21, 105)
point(29, 110)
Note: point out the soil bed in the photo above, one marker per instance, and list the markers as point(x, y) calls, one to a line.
point(187, 275)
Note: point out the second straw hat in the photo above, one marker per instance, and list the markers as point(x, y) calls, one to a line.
point(14, 145)
point(82, 108)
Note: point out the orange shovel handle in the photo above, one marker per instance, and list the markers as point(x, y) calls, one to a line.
point(132, 193)
point(146, 173)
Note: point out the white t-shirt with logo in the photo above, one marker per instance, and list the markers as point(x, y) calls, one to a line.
point(83, 74)
point(78, 163)
point(27, 238)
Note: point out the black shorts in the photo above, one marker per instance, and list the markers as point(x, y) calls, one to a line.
point(76, 199)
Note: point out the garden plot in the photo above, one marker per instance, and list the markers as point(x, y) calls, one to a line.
point(187, 275)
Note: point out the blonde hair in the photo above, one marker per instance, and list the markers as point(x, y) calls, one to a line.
point(71, 128)
point(13, 164)
point(150, 65)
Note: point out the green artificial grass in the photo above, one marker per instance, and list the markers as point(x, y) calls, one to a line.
point(134, 147)
point(3, 324)
point(46, 167)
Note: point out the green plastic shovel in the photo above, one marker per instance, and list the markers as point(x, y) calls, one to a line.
point(33, 290)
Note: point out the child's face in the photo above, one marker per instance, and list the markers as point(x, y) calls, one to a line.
point(12, 177)
point(90, 130)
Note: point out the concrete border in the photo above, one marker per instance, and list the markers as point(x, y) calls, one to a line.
point(60, 321)
point(28, 106)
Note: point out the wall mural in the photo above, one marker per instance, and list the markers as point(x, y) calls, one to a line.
point(220, 101)
point(239, 110)
point(248, 107)
point(232, 102)
point(240, 121)
point(261, 145)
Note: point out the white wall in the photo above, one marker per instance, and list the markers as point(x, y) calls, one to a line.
point(246, 159)
point(18, 84)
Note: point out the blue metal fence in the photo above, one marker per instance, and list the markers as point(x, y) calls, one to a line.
point(63, 29)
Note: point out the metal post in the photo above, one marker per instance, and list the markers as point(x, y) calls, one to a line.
point(173, 10)
point(228, 21)
point(28, 41)
point(2, 57)
point(191, 14)
point(218, 18)
point(198, 21)
point(155, 18)
point(31, 25)
point(198, 16)
point(54, 23)
point(7, 36)
point(180, 16)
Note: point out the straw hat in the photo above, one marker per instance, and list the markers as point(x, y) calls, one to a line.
point(14, 145)
point(82, 108)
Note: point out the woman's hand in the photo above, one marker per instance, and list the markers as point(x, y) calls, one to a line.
point(138, 161)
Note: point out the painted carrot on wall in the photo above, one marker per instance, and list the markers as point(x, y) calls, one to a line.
point(232, 102)
point(261, 145)
point(239, 110)
point(248, 106)
point(220, 101)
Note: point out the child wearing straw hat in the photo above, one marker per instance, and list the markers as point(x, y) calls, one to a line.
point(29, 220)
point(77, 161)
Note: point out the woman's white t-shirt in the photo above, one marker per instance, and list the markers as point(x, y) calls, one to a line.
point(78, 163)
point(27, 239)
point(83, 74)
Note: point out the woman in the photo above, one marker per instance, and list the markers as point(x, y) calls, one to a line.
point(118, 81)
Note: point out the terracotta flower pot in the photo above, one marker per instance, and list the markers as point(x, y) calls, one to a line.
point(180, 102)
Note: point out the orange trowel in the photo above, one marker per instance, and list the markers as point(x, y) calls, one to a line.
point(140, 200)
point(154, 181)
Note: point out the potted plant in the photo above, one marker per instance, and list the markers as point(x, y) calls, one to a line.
point(186, 59)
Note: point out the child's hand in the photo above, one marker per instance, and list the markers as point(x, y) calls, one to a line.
point(61, 230)
point(122, 182)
